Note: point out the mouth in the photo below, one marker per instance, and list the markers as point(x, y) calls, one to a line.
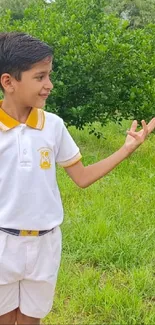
point(44, 96)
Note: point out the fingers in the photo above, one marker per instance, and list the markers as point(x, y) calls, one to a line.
point(133, 126)
point(141, 135)
point(148, 128)
point(133, 134)
point(145, 128)
point(151, 125)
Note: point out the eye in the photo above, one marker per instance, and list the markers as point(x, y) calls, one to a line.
point(40, 78)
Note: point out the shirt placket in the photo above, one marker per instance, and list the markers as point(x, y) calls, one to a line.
point(25, 151)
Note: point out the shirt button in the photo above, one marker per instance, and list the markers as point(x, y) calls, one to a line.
point(24, 151)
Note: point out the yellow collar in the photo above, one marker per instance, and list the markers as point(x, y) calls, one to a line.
point(35, 119)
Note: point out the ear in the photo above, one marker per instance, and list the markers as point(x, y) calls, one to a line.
point(7, 82)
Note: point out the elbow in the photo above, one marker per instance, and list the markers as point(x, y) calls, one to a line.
point(82, 184)
point(82, 180)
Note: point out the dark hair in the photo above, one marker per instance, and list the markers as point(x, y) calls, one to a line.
point(19, 51)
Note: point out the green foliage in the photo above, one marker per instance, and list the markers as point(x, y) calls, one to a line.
point(102, 70)
point(138, 12)
point(17, 7)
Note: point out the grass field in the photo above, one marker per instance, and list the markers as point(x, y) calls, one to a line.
point(107, 274)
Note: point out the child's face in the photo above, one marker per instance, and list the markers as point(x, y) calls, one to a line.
point(35, 85)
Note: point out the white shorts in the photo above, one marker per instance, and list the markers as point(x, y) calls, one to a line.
point(28, 272)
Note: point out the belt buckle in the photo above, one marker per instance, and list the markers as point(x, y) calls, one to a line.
point(29, 233)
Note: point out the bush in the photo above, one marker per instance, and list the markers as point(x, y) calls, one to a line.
point(102, 70)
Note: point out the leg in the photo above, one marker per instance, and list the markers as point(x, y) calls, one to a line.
point(10, 269)
point(9, 318)
point(38, 286)
point(26, 320)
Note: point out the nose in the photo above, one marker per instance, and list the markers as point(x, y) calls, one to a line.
point(49, 84)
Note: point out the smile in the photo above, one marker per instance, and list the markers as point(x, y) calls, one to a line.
point(44, 96)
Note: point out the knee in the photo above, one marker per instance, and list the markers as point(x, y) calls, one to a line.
point(9, 318)
point(23, 319)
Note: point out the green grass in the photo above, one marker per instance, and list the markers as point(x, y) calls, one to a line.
point(107, 274)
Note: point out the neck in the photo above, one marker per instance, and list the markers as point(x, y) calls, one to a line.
point(15, 110)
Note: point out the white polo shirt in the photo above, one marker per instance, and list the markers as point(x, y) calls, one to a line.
point(29, 194)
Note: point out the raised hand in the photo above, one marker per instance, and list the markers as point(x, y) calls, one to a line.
point(135, 139)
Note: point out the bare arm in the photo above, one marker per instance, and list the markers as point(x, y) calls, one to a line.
point(85, 176)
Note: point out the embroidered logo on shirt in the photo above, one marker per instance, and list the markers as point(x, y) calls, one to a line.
point(45, 158)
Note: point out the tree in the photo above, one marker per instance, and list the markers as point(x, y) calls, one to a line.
point(16, 7)
point(138, 12)
point(102, 70)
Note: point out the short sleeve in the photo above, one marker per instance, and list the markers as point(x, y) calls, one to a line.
point(68, 152)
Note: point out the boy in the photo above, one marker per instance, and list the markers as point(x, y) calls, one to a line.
point(31, 142)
